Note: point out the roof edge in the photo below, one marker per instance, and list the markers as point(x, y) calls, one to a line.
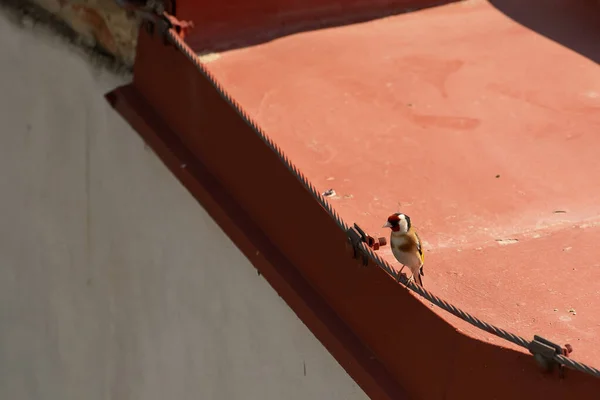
point(172, 96)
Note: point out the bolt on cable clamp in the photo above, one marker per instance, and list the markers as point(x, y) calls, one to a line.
point(355, 236)
point(545, 351)
point(154, 16)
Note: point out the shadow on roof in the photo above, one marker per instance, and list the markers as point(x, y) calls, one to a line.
point(574, 24)
point(229, 35)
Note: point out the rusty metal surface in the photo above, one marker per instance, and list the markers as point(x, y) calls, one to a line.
point(366, 299)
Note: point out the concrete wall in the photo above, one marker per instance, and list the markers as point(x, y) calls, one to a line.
point(114, 282)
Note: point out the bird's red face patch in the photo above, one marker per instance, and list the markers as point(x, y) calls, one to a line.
point(393, 219)
point(394, 222)
point(398, 222)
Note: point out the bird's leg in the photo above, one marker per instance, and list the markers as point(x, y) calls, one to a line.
point(410, 279)
point(399, 272)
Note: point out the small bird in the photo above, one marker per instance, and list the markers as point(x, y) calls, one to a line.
point(406, 245)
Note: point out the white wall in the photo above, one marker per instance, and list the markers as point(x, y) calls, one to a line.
point(114, 282)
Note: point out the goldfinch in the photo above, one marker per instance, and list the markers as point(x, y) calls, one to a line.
point(406, 245)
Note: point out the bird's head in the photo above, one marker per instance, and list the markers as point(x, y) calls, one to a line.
point(398, 222)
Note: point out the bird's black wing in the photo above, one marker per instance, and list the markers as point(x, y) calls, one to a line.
point(420, 250)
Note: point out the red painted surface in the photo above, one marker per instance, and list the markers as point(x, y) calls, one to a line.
point(481, 133)
point(461, 105)
point(239, 22)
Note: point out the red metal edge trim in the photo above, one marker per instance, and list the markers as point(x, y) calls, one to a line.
point(422, 353)
point(256, 246)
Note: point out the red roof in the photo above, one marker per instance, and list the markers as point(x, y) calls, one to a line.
point(481, 128)
point(481, 137)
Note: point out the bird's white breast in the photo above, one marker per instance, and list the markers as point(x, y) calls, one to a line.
point(410, 259)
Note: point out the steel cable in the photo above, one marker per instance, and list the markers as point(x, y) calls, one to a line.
point(518, 340)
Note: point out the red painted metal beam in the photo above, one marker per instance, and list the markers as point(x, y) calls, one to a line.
point(386, 339)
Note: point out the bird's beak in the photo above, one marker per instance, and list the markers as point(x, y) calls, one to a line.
point(387, 225)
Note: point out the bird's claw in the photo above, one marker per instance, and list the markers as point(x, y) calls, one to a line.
point(410, 279)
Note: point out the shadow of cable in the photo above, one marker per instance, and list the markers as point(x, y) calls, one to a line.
point(573, 23)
